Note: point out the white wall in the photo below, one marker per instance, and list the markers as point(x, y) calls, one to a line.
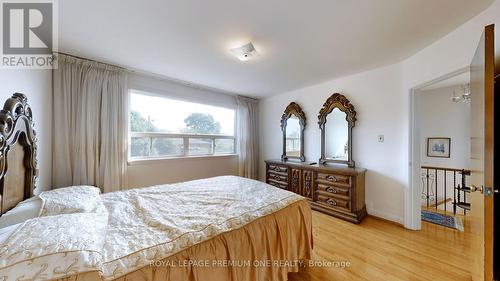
point(449, 54)
point(381, 98)
point(452, 52)
point(445, 118)
point(146, 173)
point(164, 87)
point(177, 170)
point(378, 100)
point(37, 86)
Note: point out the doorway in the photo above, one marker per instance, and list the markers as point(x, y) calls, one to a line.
point(440, 149)
point(483, 171)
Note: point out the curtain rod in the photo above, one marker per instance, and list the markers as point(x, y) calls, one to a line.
point(87, 59)
point(247, 97)
point(159, 76)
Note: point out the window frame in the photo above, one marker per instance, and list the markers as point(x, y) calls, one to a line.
point(185, 136)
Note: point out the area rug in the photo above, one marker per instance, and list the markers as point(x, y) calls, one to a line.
point(444, 220)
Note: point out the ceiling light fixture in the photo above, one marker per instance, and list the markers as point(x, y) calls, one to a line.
point(245, 52)
point(464, 96)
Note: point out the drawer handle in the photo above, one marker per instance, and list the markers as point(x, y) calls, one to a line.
point(331, 202)
point(331, 190)
point(277, 178)
point(331, 178)
point(277, 169)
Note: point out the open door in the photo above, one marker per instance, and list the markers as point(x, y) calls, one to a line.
point(482, 153)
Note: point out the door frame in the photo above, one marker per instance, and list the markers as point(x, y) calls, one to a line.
point(412, 218)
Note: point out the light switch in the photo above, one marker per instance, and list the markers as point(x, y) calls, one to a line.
point(380, 138)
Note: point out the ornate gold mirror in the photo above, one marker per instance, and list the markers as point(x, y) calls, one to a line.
point(336, 120)
point(293, 123)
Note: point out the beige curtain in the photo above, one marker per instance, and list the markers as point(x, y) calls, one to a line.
point(89, 142)
point(248, 136)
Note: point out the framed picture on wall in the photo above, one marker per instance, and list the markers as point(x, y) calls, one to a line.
point(438, 147)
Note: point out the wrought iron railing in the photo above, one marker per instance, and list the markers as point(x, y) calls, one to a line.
point(444, 186)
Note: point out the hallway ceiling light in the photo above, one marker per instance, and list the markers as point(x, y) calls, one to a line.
point(464, 96)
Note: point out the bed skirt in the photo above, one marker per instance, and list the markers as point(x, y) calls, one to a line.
point(265, 249)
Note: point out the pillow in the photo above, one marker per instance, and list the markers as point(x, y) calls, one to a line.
point(69, 200)
point(7, 231)
point(25, 210)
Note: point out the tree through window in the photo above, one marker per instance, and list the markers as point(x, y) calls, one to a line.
point(163, 127)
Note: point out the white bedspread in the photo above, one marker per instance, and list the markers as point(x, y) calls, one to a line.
point(54, 246)
point(136, 227)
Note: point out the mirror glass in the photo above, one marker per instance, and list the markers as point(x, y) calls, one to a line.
point(293, 136)
point(336, 136)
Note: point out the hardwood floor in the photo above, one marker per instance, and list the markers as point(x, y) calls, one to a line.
point(381, 250)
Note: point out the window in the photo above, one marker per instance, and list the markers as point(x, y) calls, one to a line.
point(163, 127)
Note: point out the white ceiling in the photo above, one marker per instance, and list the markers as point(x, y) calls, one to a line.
point(300, 42)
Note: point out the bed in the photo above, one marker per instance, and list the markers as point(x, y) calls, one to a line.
point(222, 228)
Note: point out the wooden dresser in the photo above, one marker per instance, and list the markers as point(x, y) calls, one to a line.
point(333, 189)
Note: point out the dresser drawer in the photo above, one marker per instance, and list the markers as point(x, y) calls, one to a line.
point(334, 190)
point(278, 169)
point(277, 177)
point(333, 202)
point(331, 179)
point(278, 184)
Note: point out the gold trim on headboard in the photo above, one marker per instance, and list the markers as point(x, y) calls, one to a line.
point(16, 126)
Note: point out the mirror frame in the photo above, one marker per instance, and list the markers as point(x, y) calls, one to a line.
point(293, 109)
point(343, 104)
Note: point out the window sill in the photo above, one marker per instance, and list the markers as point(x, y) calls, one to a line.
point(146, 161)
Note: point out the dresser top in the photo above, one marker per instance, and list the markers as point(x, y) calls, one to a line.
point(328, 168)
